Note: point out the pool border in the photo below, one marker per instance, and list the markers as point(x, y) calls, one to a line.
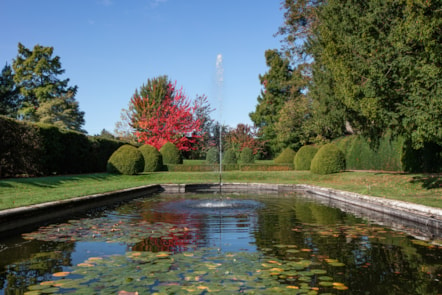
point(16, 218)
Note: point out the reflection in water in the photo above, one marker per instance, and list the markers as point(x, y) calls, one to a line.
point(294, 233)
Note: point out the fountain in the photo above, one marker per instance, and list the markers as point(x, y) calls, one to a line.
point(219, 94)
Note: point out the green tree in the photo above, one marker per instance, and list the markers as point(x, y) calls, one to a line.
point(157, 90)
point(9, 98)
point(45, 97)
point(105, 134)
point(278, 88)
point(293, 118)
point(62, 111)
point(385, 61)
point(325, 117)
point(328, 115)
point(202, 113)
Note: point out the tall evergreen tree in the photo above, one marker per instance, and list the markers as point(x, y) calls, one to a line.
point(45, 97)
point(385, 60)
point(278, 89)
point(9, 98)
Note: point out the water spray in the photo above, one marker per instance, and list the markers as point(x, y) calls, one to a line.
point(219, 87)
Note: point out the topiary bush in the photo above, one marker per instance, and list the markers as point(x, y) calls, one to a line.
point(304, 157)
point(246, 156)
point(171, 154)
point(212, 156)
point(286, 157)
point(229, 157)
point(329, 159)
point(153, 160)
point(127, 160)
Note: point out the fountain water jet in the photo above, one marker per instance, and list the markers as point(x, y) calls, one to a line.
point(219, 94)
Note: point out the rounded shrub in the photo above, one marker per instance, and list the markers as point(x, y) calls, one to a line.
point(304, 157)
point(153, 160)
point(329, 159)
point(286, 157)
point(212, 156)
point(127, 160)
point(229, 157)
point(246, 156)
point(171, 154)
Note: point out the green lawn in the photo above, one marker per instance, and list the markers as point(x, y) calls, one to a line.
point(416, 188)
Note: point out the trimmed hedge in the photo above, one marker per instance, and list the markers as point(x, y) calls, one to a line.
point(153, 160)
point(329, 159)
point(261, 167)
point(229, 167)
point(20, 149)
point(361, 155)
point(127, 160)
point(304, 157)
point(229, 157)
point(30, 149)
point(202, 168)
point(212, 156)
point(171, 154)
point(246, 156)
point(286, 157)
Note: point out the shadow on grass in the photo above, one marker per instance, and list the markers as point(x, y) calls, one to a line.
point(55, 181)
point(428, 181)
point(5, 184)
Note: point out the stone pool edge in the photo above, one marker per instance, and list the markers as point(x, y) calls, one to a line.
point(13, 219)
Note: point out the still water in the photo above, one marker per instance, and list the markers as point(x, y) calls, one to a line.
point(200, 244)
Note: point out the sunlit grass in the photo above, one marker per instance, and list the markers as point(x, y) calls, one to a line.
point(416, 188)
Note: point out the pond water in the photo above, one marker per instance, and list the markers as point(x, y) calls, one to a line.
point(199, 244)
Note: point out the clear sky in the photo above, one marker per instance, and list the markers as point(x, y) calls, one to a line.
point(109, 48)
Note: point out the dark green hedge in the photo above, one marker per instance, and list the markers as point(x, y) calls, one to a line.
point(329, 159)
point(286, 157)
point(229, 167)
point(201, 168)
point(171, 154)
point(28, 149)
point(390, 154)
point(360, 154)
point(264, 167)
point(304, 157)
point(127, 160)
point(153, 160)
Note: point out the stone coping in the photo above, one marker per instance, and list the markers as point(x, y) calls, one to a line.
point(16, 218)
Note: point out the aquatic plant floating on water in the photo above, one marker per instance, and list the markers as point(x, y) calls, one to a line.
point(199, 272)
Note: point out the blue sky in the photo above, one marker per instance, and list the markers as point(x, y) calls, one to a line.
point(109, 48)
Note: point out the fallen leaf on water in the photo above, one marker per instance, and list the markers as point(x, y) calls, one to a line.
point(61, 274)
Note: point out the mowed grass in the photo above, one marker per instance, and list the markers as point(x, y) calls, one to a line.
point(416, 188)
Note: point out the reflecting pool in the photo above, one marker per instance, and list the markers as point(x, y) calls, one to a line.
point(200, 244)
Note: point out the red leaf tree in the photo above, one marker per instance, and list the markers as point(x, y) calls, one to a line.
point(171, 119)
point(244, 136)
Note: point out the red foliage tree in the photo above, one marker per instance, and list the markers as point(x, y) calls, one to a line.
point(244, 136)
point(169, 120)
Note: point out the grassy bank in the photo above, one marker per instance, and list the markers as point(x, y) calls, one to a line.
point(416, 188)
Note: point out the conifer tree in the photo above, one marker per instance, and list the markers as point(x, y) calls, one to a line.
point(278, 89)
point(45, 97)
point(9, 98)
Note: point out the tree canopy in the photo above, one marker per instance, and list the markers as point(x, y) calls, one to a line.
point(368, 66)
point(164, 115)
point(44, 97)
point(9, 98)
point(278, 88)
